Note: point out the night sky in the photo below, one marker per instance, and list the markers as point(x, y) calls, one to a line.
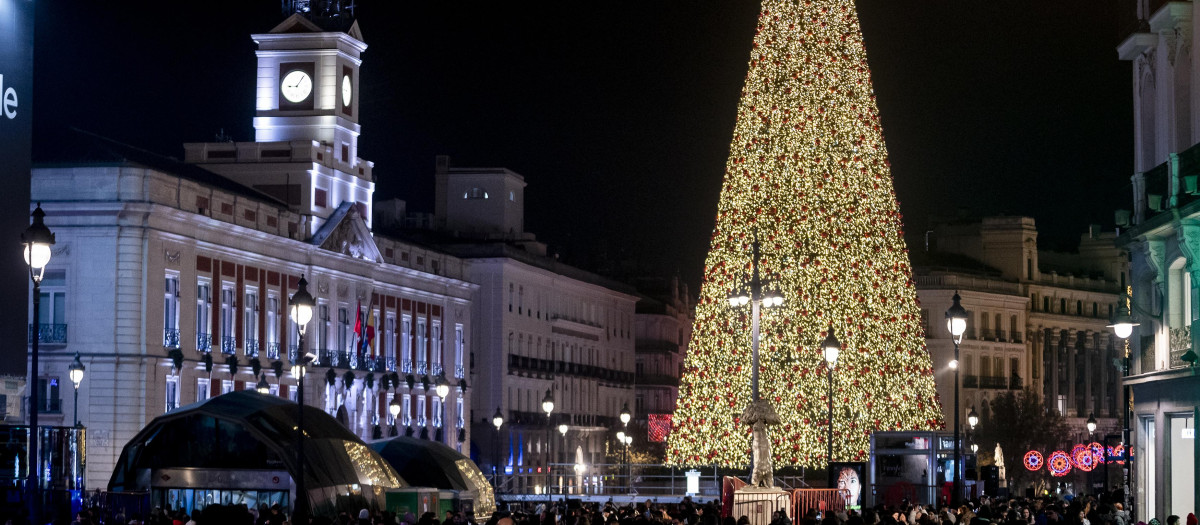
point(620, 115)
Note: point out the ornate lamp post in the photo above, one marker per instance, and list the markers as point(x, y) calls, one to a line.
point(394, 410)
point(1122, 326)
point(497, 421)
point(548, 407)
point(759, 412)
point(972, 420)
point(1091, 424)
point(832, 348)
point(301, 312)
point(262, 387)
point(562, 429)
point(36, 240)
point(956, 322)
point(76, 372)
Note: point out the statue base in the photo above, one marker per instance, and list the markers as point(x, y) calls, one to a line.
point(759, 503)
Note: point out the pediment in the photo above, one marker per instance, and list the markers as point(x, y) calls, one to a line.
point(346, 233)
point(296, 24)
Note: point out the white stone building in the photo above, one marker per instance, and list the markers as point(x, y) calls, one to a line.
point(1036, 319)
point(174, 277)
point(664, 320)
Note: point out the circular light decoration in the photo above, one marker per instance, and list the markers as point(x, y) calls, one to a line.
point(1082, 458)
point(1033, 460)
point(1059, 463)
point(1097, 451)
point(1117, 453)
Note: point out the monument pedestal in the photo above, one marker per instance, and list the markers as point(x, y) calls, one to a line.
point(759, 503)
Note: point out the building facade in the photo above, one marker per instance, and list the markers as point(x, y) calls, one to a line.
point(663, 329)
point(174, 277)
point(1036, 319)
point(1163, 237)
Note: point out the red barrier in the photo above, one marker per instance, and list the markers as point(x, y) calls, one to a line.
point(821, 499)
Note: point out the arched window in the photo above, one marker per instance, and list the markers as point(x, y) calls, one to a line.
point(475, 193)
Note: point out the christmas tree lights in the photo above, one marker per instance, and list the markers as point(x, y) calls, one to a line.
point(808, 177)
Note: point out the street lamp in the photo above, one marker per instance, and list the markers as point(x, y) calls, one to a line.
point(972, 418)
point(548, 406)
point(956, 322)
point(36, 241)
point(262, 386)
point(394, 410)
point(1123, 323)
point(442, 390)
point(301, 313)
point(76, 374)
point(562, 429)
point(1091, 424)
point(758, 297)
point(497, 421)
point(625, 415)
point(1122, 326)
point(832, 348)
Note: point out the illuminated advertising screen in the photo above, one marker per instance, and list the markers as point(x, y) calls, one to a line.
point(16, 128)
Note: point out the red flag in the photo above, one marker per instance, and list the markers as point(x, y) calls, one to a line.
point(358, 320)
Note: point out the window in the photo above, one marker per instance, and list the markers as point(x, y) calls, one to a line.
point(49, 400)
point(512, 196)
point(228, 341)
point(202, 386)
point(475, 193)
point(53, 307)
point(406, 410)
point(272, 326)
point(389, 343)
point(1078, 307)
point(172, 393)
point(406, 345)
point(203, 314)
point(1179, 294)
point(985, 367)
point(273, 389)
point(1181, 431)
point(226, 386)
point(421, 411)
point(459, 371)
point(1062, 306)
point(435, 351)
point(1146, 497)
point(387, 404)
point(421, 348)
point(250, 323)
point(1045, 304)
point(460, 420)
point(344, 329)
point(323, 328)
point(171, 311)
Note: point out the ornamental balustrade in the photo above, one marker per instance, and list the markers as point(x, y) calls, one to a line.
point(171, 338)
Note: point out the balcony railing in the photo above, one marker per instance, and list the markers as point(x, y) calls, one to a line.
point(970, 381)
point(997, 382)
point(272, 350)
point(657, 380)
point(49, 334)
point(204, 342)
point(436, 369)
point(228, 345)
point(1014, 383)
point(252, 348)
point(459, 371)
point(46, 405)
point(293, 353)
point(171, 338)
point(406, 366)
point(422, 369)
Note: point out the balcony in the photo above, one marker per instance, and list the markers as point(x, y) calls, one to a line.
point(422, 369)
point(46, 405)
point(406, 366)
point(228, 345)
point(48, 334)
point(995, 382)
point(970, 382)
point(459, 371)
point(252, 348)
point(272, 350)
point(171, 338)
point(1014, 383)
point(204, 342)
point(293, 353)
point(436, 369)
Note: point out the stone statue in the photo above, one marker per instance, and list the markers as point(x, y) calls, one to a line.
point(758, 414)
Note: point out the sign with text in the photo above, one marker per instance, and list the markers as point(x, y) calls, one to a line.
point(16, 129)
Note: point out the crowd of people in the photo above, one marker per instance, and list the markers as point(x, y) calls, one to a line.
point(1047, 510)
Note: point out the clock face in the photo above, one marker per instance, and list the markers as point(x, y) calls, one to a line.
point(347, 90)
point(296, 86)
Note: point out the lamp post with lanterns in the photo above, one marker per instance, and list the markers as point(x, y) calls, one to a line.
point(832, 347)
point(548, 407)
point(302, 304)
point(562, 429)
point(497, 421)
point(625, 417)
point(972, 420)
point(36, 242)
point(76, 372)
point(442, 390)
point(758, 296)
point(956, 322)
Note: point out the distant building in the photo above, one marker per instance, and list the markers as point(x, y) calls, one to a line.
point(541, 326)
point(1164, 238)
point(171, 279)
point(664, 319)
point(1036, 319)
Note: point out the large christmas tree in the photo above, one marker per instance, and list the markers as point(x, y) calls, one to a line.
point(808, 176)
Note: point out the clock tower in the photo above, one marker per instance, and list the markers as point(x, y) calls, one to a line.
point(306, 122)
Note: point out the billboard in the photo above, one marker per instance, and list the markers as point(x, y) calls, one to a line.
point(16, 130)
point(849, 477)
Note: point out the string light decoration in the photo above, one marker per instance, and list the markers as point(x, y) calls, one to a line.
point(1082, 459)
point(808, 175)
point(1097, 451)
point(1033, 460)
point(659, 427)
point(1059, 463)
